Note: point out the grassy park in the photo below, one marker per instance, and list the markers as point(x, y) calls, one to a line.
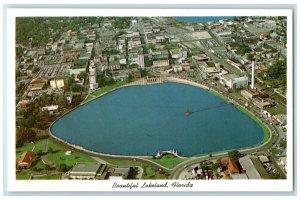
point(169, 161)
point(52, 154)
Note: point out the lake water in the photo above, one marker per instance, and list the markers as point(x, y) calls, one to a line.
point(141, 120)
point(203, 19)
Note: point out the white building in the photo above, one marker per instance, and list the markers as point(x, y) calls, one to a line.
point(92, 79)
point(249, 167)
point(51, 109)
point(234, 81)
point(57, 83)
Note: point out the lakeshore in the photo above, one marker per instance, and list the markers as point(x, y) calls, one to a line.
point(139, 82)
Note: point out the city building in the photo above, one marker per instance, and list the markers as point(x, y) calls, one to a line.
point(51, 109)
point(261, 103)
point(37, 84)
point(25, 160)
point(230, 167)
point(119, 173)
point(249, 94)
point(249, 167)
point(86, 170)
point(92, 78)
point(57, 83)
point(234, 81)
point(160, 63)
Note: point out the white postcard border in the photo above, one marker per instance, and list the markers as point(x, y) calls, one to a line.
point(105, 185)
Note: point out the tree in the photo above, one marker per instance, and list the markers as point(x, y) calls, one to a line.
point(27, 121)
point(47, 167)
point(133, 66)
point(143, 72)
point(18, 73)
point(25, 135)
point(62, 167)
point(35, 70)
point(235, 154)
point(250, 57)
point(130, 78)
point(84, 76)
point(133, 172)
point(50, 150)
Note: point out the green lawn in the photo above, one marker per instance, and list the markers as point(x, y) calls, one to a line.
point(23, 175)
point(260, 168)
point(122, 161)
point(105, 89)
point(278, 109)
point(169, 161)
point(57, 156)
point(36, 146)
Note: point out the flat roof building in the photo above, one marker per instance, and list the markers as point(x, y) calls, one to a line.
point(249, 167)
point(234, 81)
point(86, 170)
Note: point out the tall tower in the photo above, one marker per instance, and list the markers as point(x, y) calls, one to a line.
point(252, 76)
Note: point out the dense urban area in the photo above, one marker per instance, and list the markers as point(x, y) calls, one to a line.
point(63, 62)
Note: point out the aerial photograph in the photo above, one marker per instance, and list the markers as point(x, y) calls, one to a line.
point(151, 98)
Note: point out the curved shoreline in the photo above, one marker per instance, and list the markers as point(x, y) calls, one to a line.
point(162, 80)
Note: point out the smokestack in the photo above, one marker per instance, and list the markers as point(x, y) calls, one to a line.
point(252, 76)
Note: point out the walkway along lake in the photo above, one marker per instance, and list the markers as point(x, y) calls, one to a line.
point(144, 119)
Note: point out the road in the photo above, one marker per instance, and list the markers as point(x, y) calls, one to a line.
point(180, 167)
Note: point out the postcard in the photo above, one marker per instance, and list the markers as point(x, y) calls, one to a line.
point(149, 100)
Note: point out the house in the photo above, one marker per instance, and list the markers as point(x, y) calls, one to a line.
point(23, 103)
point(234, 81)
point(86, 170)
point(57, 83)
point(26, 159)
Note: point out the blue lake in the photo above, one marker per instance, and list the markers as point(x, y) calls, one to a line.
point(141, 120)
